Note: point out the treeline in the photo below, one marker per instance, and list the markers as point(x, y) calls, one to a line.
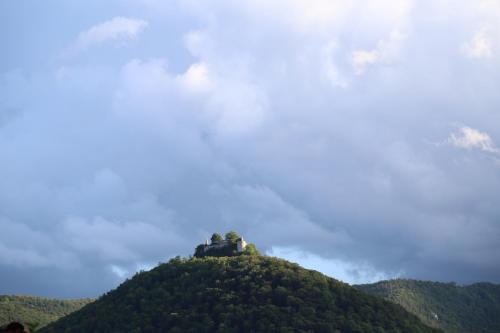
point(36, 311)
point(456, 309)
point(237, 294)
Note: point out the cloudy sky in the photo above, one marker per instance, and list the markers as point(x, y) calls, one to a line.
point(358, 138)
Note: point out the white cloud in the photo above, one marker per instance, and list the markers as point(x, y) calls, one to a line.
point(341, 270)
point(117, 241)
point(26, 247)
point(196, 79)
point(480, 46)
point(385, 52)
point(146, 77)
point(120, 272)
point(118, 28)
point(330, 68)
point(470, 138)
point(132, 148)
point(324, 16)
point(226, 103)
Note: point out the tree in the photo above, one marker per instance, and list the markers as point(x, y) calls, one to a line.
point(216, 238)
point(251, 250)
point(33, 327)
point(232, 236)
point(199, 250)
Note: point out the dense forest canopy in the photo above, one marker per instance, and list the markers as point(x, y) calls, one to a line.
point(456, 309)
point(244, 293)
point(229, 287)
point(38, 311)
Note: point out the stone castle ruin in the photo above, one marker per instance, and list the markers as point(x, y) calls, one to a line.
point(232, 245)
point(240, 245)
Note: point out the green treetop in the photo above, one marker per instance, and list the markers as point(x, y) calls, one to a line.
point(232, 236)
point(216, 238)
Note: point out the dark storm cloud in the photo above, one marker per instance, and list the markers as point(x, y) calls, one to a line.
point(349, 135)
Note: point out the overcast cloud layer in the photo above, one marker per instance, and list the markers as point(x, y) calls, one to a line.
point(358, 138)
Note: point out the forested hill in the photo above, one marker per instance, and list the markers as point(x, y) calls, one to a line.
point(455, 309)
point(36, 310)
point(245, 293)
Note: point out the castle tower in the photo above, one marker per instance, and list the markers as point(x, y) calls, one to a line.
point(241, 244)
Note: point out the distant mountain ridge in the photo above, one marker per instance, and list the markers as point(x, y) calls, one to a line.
point(473, 308)
point(36, 310)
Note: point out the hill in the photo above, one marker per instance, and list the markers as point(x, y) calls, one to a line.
point(36, 310)
point(455, 309)
point(243, 293)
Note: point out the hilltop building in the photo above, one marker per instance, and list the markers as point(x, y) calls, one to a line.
point(232, 245)
point(241, 244)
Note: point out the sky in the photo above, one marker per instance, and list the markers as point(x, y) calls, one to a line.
point(360, 139)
